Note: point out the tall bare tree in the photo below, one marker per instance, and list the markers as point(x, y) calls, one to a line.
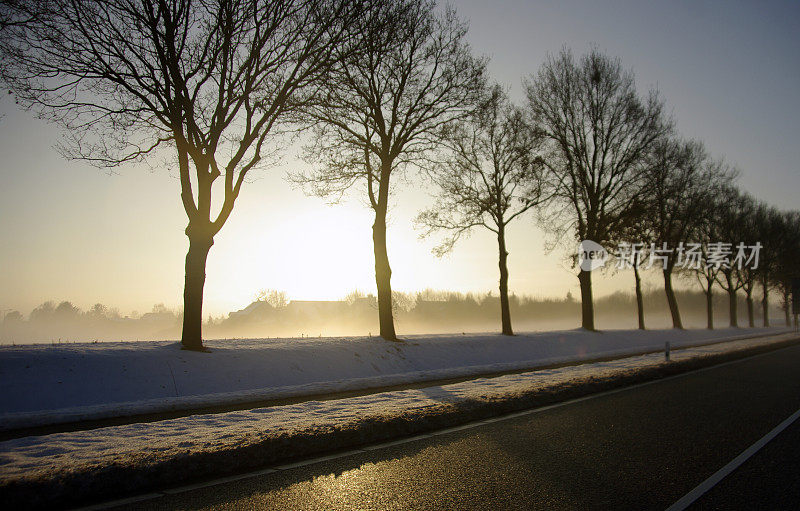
point(787, 266)
point(732, 212)
point(633, 251)
point(707, 277)
point(772, 233)
point(212, 80)
point(706, 274)
point(492, 175)
point(707, 229)
point(750, 233)
point(601, 131)
point(680, 183)
point(409, 74)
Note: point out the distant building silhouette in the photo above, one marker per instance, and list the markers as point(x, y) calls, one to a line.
point(256, 311)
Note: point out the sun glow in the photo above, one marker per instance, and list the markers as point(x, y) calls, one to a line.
point(311, 255)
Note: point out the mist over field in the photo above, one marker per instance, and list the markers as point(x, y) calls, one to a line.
point(426, 312)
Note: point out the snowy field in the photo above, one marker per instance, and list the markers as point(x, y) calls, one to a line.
point(46, 384)
point(147, 446)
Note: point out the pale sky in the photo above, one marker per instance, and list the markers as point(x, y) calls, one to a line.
point(729, 71)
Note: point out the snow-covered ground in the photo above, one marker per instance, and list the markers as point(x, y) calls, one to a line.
point(147, 445)
point(45, 384)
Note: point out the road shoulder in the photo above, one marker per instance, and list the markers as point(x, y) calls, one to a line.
point(169, 453)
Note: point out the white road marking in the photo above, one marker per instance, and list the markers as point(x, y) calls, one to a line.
point(385, 445)
point(222, 480)
point(415, 438)
point(123, 502)
point(688, 499)
point(303, 463)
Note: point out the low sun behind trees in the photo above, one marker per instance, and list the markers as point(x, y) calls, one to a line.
point(409, 74)
point(211, 81)
point(378, 88)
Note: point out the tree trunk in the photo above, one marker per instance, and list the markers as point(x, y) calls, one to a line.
point(709, 308)
point(383, 276)
point(732, 305)
point(639, 298)
point(671, 300)
point(751, 320)
point(505, 310)
point(587, 306)
point(765, 302)
point(786, 308)
point(196, 257)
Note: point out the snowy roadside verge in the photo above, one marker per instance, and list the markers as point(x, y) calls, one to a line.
point(69, 468)
point(46, 385)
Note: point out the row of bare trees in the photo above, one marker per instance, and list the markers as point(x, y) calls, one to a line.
point(732, 214)
point(694, 199)
point(601, 163)
point(378, 88)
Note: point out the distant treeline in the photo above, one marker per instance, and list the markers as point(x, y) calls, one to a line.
point(398, 96)
point(429, 311)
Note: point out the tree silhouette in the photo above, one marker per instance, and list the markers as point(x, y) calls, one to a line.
point(750, 234)
point(787, 265)
point(492, 176)
point(707, 230)
point(213, 81)
point(600, 132)
point(732, 213)
point(277, 299)
point(408, 74)
point(680, 183)
point(634, 249)
point(773, 232)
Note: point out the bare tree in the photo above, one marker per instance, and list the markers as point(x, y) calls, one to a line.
point(637, 261)
point(601, 131)
point(733, 211)
point(278, 299)
point(410, 74)
point(787, 265)
point(773, 233)
point(706, 274)
point(212, 80)
point(750, 234)
point(706, 229)
point(680, 183)
point(492, 176)
point(634, 248)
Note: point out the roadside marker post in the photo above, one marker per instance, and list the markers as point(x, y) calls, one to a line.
point(666, 351)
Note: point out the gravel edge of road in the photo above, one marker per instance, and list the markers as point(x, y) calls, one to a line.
point(97, 484)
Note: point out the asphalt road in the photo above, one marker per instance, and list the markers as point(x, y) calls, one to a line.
point(638, 448)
